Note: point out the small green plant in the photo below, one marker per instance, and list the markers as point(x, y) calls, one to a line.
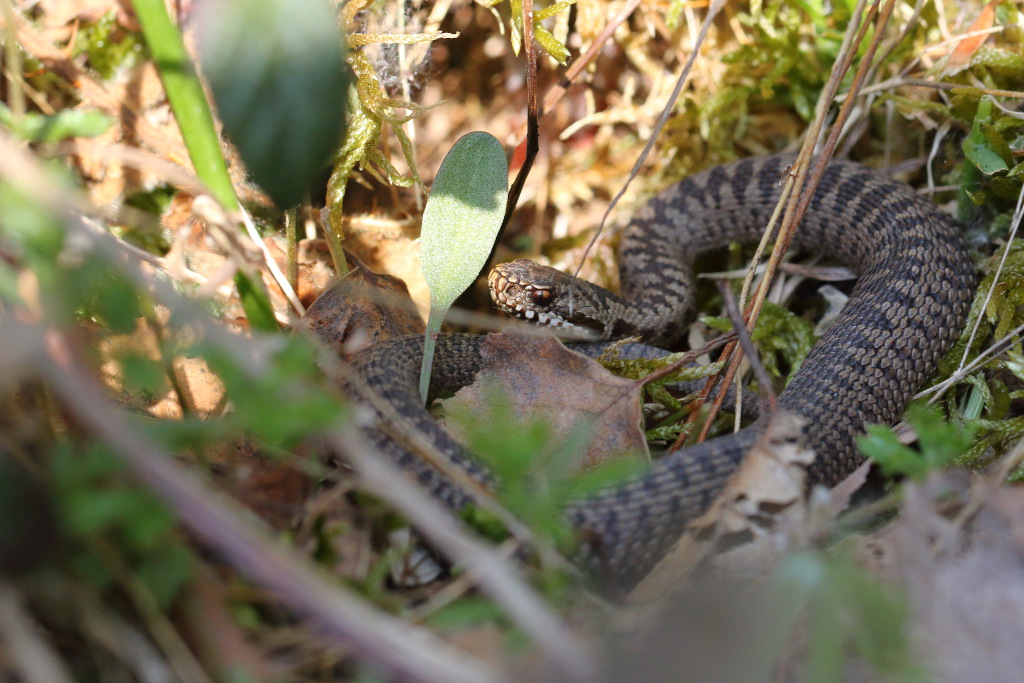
point(105, 515)
point(460, 223)
point(547, 41)
point(940, 441)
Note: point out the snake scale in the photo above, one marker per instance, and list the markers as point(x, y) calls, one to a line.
point(910, 301)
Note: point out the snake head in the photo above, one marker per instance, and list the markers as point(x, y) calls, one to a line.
point(540, 294)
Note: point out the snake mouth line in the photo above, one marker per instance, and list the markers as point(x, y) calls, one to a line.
point(520, 312)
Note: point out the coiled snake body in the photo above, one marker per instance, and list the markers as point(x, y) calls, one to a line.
point(910, 301)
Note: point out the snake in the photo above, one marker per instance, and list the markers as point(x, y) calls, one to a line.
point(915, 282)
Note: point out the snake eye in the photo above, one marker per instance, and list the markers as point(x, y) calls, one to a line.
point(541, 297)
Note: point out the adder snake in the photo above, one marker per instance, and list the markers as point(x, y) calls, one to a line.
point(909, 303)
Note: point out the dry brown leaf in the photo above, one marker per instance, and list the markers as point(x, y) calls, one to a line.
point(542, 378)
point(276, 491)
point(362, 309)
point(761, 513)
point(961, 56)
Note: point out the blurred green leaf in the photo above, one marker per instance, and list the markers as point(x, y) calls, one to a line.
point(460, 223)
point(536, 470)
point(66, 123)
point(103, 508)
point(465, 613)
point(940, 443)
point(295, 411)
point(256, 303)
point(142, 374)
point(277, 72)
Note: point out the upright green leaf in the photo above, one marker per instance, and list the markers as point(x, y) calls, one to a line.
point(460, 223)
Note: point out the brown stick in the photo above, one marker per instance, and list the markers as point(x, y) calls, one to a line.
point(558, 90)
point(533, 128)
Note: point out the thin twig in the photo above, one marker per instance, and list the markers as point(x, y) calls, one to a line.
point(14, 67)
point(271, 264)
point(27, 650)
point(558, 90)
point(993, 350)
point(532, 115)
point(940, 134)
point(291, 217)
point(822, 273)
point(732, 310)
point(937, 85)
point(689, 357)
point(713, 9)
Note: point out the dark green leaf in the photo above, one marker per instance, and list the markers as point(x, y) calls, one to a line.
point(278, 75)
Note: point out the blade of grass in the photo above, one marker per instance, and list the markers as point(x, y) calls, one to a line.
point(195, 120)
point(184, 92)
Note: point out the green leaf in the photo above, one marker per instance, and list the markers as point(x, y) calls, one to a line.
point(466, 613)
point(460, 223)
point(277, 72)
point(940, 442)
point(978, 145)
point(67, 123)
point(256, 303)
point(550, 44)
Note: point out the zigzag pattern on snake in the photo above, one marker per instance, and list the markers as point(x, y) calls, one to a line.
point(915, 283)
